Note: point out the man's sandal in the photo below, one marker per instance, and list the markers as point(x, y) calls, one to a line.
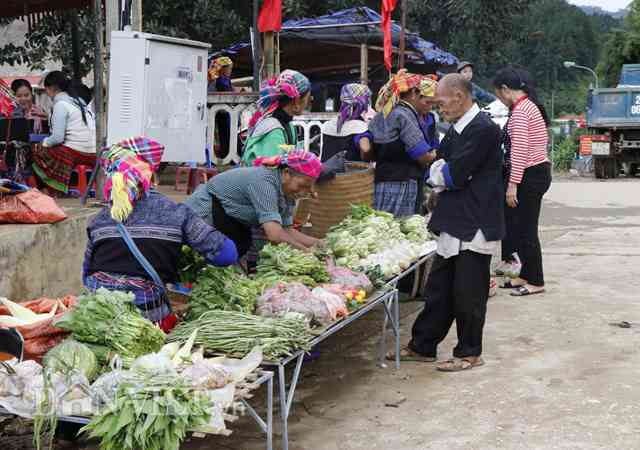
point(408, 355)
point(459, 364)
point(523, 291)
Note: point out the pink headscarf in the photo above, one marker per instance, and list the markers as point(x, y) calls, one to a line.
point(300, 161)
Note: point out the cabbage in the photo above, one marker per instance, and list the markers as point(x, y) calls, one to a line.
point(72, 356)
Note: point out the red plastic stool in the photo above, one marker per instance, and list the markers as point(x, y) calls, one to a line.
point(181, 171)
point(83, 173)
point(199, 176)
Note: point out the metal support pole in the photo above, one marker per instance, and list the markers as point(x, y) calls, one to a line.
point(364, 64)
point(403, 7)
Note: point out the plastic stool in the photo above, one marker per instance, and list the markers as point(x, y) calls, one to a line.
point(180, 172)
point(83, 173)
point(199, 176)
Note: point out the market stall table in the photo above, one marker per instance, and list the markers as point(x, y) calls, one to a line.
point(244, 392)
point(387, 298)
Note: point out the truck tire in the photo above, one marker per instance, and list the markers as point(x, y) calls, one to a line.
point(630, 169)
point(599, 167)
point(606, 168)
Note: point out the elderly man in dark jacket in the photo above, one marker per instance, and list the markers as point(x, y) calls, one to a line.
point(468, 219)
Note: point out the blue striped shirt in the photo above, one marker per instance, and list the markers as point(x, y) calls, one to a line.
point(252, 195)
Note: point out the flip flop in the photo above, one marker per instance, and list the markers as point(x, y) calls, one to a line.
point(459, 365)
point(510, 285)
point(522, 291)
point(408, 355)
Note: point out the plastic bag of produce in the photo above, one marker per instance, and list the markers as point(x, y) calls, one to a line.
point(154, 364)
point(207, 375)
point(42, 336)
point(71, 356)
point(103, 390)
point(334, 304)
point(348, 278)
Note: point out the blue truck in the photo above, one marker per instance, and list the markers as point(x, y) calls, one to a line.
point(613, 120)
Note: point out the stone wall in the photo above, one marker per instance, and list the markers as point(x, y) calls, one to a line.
point(43, 260)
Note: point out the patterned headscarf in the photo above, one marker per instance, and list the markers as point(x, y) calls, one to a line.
point(300, 161)
point(290, 84)
point(129, 166)
point(7, 100)
point(355, 101)
point(217, 65)
point(402, 82)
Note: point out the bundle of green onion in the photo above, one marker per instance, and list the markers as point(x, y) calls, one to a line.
point(111, 319)
point(284, 260)
point(234, 333)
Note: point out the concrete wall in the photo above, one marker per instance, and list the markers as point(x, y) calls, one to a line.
point(43, 260)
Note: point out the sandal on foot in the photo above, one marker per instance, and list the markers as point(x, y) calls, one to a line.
point(459, 364)
point(408, 355)
point(523, 291)
point(510, 285)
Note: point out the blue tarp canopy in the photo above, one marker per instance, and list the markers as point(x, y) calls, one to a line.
point(333, 41)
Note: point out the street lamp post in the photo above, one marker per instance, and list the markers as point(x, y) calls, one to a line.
point(573, 65)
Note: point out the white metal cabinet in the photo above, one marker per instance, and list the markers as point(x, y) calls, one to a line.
point(158, 88)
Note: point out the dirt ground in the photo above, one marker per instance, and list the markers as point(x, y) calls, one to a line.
point(558, 374)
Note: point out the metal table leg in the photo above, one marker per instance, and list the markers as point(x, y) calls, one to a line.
point(286, 398)
point(270, 414)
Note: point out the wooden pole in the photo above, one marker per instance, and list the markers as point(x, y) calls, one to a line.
point(269, 55)
point(75, 44)
point(364, 64)
point(98, 98)
point(402, 33)
point(257, 47)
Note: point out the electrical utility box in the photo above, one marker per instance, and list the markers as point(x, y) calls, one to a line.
point(158, 89)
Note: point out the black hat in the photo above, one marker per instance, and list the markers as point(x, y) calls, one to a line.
point(464, 64)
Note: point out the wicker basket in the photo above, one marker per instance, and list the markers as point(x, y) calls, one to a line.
point(335, 198)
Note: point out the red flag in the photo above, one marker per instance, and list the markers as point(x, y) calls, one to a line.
point(270, 18)
point(387, 8)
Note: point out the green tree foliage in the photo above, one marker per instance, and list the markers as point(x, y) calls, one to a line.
point(622, 47)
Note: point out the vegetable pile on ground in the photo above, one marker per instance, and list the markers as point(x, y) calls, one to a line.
point(283, 263)
point(370, 241)
point(111, 321)
point(235, 333)
point(223, 288)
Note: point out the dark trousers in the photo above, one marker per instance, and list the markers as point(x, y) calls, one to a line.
point(535, 183)
point(510, 241)
point(458, 288)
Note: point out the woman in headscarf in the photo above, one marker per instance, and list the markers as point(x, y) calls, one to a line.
point(158, 226)
point(220, 81)
point(270, 128)
point(404, 142)
point(262, 196)
point(349, 131)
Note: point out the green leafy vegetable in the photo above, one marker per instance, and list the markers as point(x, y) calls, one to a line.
point(69, 356)
point(110, 318)
point(223, 288)
point(151, 413)
point(190, 264)
point(282, 261)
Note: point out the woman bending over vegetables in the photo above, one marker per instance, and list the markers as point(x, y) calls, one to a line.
point(264, 196)
point(158, 226)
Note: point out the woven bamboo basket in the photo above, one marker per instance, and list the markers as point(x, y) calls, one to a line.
point(335, 198)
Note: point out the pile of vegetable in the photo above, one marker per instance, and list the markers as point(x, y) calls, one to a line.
point(375, 243)
point(110, 319)
point(286, 264)
point(150, 412)
point(223, 288)
point(190, 264)
point(72, 356)
point(21, 316)
point(235, 333)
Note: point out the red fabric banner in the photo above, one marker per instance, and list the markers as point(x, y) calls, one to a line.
point(387, 9)
point(270, 18)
